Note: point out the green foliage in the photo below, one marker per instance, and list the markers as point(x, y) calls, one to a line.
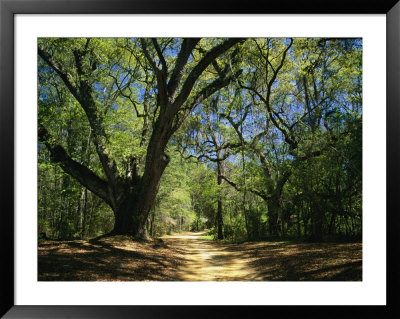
point(65, 210)
point(173, 210)
point(287, 134)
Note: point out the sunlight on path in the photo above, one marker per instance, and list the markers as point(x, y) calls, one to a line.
point(209, 260)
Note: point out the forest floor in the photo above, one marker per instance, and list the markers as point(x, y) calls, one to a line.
point(188, 257)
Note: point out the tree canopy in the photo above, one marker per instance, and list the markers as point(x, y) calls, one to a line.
point(252, 138)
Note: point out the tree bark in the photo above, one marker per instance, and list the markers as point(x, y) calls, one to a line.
point(273, 213)
point(131, 204)
point(85, 213)
point(219, 204)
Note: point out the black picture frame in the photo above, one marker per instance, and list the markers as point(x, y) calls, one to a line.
point(8, 8)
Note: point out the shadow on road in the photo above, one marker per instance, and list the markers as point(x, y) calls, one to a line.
point(188, 257)
point(102, 261)
point(214, 260)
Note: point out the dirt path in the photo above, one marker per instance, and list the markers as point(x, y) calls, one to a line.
point(207, 260)
point(188, 257)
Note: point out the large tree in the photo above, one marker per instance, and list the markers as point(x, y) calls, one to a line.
point(296, 91)
point(161, 80)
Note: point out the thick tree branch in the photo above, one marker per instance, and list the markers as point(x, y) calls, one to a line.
point(164, 67)
point(265, 164)
point(204, 93)
point(78, 171)
point(186, 49)
point(85, 98)
point(161, 76)
point(64, 75)
point(200, 67)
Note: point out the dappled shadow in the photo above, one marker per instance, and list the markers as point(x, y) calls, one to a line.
point(106, 261)
point(188, 257)
point(303, 261)
point(265, 261)
point(207, 260)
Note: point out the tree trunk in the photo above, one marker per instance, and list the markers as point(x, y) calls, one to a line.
point(298, 221)
point(132, 211)
point(130, 218)
point(123, 224)
point(152, 223)
point(79, 211)
point(273, 223)
point(246, 218)
point(219, 208)
point(273, 213)
point(84, 209)
point(331, 228)
point(132, 207)
point(219, 219)
point(316, 224)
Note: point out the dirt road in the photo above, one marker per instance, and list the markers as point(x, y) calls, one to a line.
point(206, 260)
point(188, 257)
point(209, 260)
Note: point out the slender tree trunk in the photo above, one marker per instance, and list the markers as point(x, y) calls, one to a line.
point(306, 214)
point(84, 213)
point(79, 220)
point(331, 228)
point(298, 219)
point(219, 208)
point(248, 232)
point(151, 231)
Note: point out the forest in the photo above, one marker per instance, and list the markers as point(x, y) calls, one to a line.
point(246, 140)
